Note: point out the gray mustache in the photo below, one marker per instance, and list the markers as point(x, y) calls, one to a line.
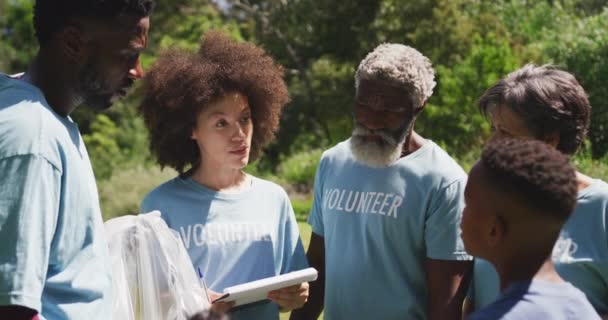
point(363, 131)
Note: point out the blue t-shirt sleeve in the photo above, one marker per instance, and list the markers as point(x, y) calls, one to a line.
point(442, 225)
point(295, 258)
point(315, 218)
point(146, 205)
point(152, 202)
point(30, 188)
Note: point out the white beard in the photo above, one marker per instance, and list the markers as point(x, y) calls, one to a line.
point(375, 153)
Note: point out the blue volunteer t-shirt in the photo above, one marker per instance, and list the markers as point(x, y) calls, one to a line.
point(536, 299)
point(580, 254)
point(233, 238)
point(53, 254)
point(380, 224)
point(485, 284)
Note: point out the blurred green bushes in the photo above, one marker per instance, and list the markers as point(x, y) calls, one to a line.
point(298, 170)
point(471, 44)
point(122, 193)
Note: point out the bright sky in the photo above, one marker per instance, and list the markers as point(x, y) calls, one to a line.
point(222, 3)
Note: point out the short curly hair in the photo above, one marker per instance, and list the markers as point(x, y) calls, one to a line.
point(209, 315)
point(181, 84)
point(548, 100)
point(51, 16)
point(401, 66)
point(534, 171)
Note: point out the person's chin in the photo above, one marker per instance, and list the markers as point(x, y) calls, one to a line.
point(239, 162)
point(374, 153)
point(243, 163)
point(102, 102)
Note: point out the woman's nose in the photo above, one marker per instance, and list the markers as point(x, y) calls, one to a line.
point(239, 132)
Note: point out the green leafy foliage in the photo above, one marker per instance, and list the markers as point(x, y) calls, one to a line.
point(301, 207)
point(299, 169)
point(101, 143)
point(582, 48)
point(123, 192)
point(453, 112)
point(17, 41)
point(320, 43)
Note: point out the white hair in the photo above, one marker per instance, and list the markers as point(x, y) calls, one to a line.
point(402, 66)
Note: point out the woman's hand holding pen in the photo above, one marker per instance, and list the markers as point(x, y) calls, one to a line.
point(219, 306)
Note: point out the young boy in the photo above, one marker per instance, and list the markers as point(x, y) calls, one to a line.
point(518, 197)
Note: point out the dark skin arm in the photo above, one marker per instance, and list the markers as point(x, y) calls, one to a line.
point(18, 313)
point(316, 258)
point(467, 308)
point(447, 282)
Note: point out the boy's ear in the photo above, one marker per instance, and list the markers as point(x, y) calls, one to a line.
point(498, 231)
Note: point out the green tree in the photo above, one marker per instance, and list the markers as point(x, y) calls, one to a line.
point(452, 117)
point(582, 48)
point(17, 42)
point(102, 146)
point(471, 43)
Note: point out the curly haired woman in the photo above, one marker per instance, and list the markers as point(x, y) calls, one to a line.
point(209, 114)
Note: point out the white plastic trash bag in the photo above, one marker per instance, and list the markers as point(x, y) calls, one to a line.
point(153, 277)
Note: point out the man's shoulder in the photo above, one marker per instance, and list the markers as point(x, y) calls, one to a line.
point(597, 191)
point(428, 162)
point(591, 208)
point(340, 151)
point(335, 156)
point(431, 162)
point(515, 307)
point(539, 300)
point(16, 92)
point(28, 126)
point(525, 309)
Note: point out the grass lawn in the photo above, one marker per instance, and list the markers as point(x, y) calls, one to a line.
point(305, 234)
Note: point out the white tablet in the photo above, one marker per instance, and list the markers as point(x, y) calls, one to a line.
point(258, 290)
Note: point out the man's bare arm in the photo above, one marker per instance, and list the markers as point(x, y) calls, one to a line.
point(316, 258)
point(447, 282)
point(18, 313)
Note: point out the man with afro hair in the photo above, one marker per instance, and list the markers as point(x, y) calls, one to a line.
point(518, 197)
point(387, 205)
point(54, 261)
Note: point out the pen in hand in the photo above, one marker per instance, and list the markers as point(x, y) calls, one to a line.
point(203, 284)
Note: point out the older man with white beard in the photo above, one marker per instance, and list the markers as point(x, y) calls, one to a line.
point(387, 207)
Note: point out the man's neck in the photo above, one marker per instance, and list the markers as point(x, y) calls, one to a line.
point(517, 269)
point(51, 76)
point(413, 142)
